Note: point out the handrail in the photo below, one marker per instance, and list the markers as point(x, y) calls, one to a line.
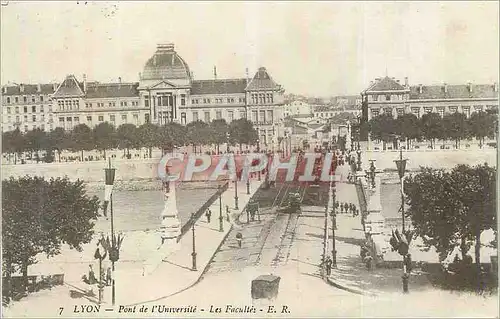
point(202, 210)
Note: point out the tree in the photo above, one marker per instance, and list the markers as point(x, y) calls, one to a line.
point(408, 127)
point(104, 136)
point(198, 133)
point(456, 127)
point(127, 137)
point(241, 131)
point(148, 135)
point(432, 127)
point(39, 216)
point(383, 128)
point(58, 140)
point(451, 209)
point(13, 142)
point(482, 125)
point(219, 132)
point(171, 135)
point(35, 140)
point(82, 139)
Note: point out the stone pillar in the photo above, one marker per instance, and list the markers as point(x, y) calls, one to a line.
point(375, 224)
point(170, 222)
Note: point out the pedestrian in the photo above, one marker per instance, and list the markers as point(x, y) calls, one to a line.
point(92, 278)
point(208, 214)
point(368, 261)
point(328, 263)
point(239, 238)
point(108, 276)
point(346, 208)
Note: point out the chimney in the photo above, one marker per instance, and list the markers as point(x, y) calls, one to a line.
point(54, 87)
point(420, 88)
point(120, 79)
point(215, 72)
point(377, 79)
point(85, 83)
point(495, 87)
point(21, 88)
point(445, 88)
point(38, 88)
point(469, 85)
point(406, 81)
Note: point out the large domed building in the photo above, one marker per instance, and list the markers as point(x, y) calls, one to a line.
point(166, 92)
point(167, 89)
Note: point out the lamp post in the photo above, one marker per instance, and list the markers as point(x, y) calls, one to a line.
point(372, 172)
point(114, 245)
point(100, 256)
point(401, 166)
point(236, 193)
point(334, 226)
point(221, 223)
point(258, 151)
point(248, 186)
point(193, 254)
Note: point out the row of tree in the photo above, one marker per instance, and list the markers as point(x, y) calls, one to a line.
point(127, 136)
point(455, 127)
point(450, 209)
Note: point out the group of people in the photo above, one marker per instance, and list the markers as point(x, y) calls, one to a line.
point(91, 279)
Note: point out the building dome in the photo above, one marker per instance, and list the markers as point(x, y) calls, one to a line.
point(166, 64)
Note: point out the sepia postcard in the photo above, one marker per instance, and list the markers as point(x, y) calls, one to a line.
point(249, 159)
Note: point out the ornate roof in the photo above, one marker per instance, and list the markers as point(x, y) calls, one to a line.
point(466, 91)
point(70, 87)
point(166, 64)
point(262, 81)
point(230, 86)
point(385, 84)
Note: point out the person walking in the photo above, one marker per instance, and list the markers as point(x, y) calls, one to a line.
point(239, 238)
point(328, 263)
point(92, 278)
point(208, 214)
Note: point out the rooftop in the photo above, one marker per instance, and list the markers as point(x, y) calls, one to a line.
point(222, 86)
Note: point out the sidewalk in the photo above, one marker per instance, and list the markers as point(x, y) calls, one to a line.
point(174, 275)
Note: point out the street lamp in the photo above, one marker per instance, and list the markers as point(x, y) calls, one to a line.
point(334, 226)
point(401, 166)
point(114, 246)
point(221, 223)
point(193, 254)
point(236, 193)
point(248, 186)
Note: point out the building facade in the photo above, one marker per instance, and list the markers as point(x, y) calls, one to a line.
point(297, 107)
point(388, 95)
point(166, 92)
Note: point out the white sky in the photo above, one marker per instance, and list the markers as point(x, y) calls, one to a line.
point(313, 48)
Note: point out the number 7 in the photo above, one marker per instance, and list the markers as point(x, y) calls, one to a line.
point(61, 310)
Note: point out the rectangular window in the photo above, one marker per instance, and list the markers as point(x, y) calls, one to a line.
point(17, 119)
point(110, 104)
point(8, 100)
point(136, 118)
point(441, 111)
point(68, 119)
point(33, 99)
point(61, 119)
point(207, 117)
point(25, 99)
point(218, 115)
point(243, 115)
point(254, 116)
point(428, 110)
point(17, 99)
point(89, 118)
point(101, 118)
point(124, 118)
point(195, 116)
point(112, 118)
point(8, 119)
point(183, 118)
point(8, 110)
point(416, 111)
point(453, 109)
point(230, 116)
point(41, 108)
point(466, 111)
point(262, 117)
point(375, 113)
point(26, 128)
point(26, 118)
point(400, 111)
point(387, 97)
point(43, 117)
point(33, 109)
point(43, 127)
point(33, 118)
point(146, 100)
point(25, 109)
point(183, 99)
point(17, 110)
point(270, 116)
point(76, 119)
point(41, 98)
